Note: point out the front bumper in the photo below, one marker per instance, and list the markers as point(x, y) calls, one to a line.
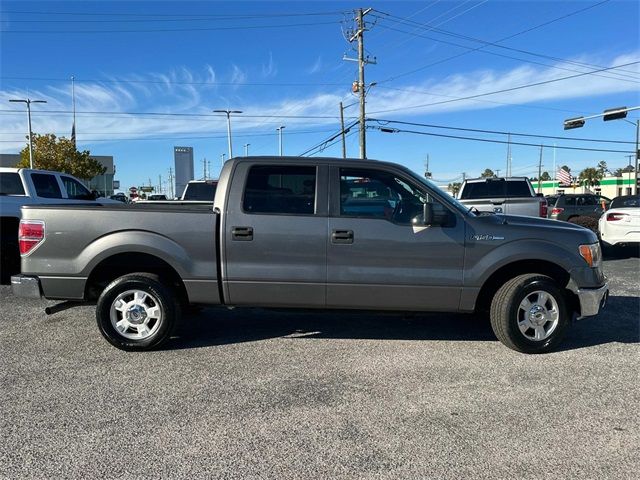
point(592, 300)
point(26, 287)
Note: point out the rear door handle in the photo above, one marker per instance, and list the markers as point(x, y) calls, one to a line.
point(242, 234)
point(342, 236)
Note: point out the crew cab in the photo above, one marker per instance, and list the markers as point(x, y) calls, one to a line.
point(509, 195)
point(312, 233)
point(24, 186)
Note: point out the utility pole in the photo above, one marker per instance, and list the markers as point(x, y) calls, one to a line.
point(222, 158)
point(159, 183)
point(540, 171)
point(344, 142)
point(204, 168)
point(637, 157)
point(228, 114)
point(279, 130)
point(170, 183)
point(246, 149)
point(28, 101)
point(508, 155)
point(427, 172)
point(362, 61)
point(209, 168)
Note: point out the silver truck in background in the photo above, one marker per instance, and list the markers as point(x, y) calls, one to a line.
point(24, 186)
point(511, 196)
point(312, 233)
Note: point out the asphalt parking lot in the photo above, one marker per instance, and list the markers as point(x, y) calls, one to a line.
point(264, 394)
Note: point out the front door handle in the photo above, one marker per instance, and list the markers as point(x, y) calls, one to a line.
point(342, 236)
point(242, 234)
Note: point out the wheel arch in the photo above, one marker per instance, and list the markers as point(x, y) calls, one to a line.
point(513, 269)
point(119, 264)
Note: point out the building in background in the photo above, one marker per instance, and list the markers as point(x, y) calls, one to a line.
point(183, 157)
point(103, 184)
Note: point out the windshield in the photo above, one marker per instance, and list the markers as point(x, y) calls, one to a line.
point(628, 201)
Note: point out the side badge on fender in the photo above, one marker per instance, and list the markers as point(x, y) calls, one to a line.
point(486, 237)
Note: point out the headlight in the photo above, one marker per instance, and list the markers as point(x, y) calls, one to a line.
point(592, 254)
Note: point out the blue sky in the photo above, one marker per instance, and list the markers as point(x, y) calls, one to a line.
point(268, 60)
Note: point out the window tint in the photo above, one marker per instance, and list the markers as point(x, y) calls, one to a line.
point(518, 188)
point(378, 194)
point(11, 184)
point(590, 200)
point(200, 191)
point(75, 190)
point(46, 185)
point(280, 189)
point(570, 201)
point(626, 202)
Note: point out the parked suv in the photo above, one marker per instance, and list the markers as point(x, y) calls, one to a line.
point(567, 207)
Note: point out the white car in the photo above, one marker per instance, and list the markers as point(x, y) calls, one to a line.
point(620, 224)
point(24, 186)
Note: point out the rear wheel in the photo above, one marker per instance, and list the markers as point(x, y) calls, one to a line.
point(529, 314)
point(137, 312)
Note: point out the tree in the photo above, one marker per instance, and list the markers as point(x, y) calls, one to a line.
point(619, 171)
point(488, 173)
point(590, 176)
point(455, 188)
point(545, 176)
point(61, 155)
point(602, 168)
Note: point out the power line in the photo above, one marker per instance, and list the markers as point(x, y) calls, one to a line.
point(519, 105)
point(176, 82)
point(511, 89)
point(202, 15)
point(486, 140)
point(172, 114)
point(496, 132)
point(190, 29)
point(488, 52)
point(331, 138)
point(522, 32)
point(428, 27)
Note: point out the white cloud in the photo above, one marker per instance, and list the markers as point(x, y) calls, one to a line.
point(269, 70)
point(198, 98)
point(316, 67)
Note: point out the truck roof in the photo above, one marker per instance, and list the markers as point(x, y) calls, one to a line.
point(26, 170)
point(485, 179)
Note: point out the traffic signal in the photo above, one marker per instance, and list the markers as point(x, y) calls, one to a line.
point(576, 122)
point(615, 113)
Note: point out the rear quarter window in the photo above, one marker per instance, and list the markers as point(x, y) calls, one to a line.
point(11, 184)
point(46, 185)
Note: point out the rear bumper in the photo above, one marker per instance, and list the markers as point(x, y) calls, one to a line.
point(26, 287)
point(592, 300)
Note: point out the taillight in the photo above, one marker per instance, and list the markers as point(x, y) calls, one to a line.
point(30, 235)
point(543, 209)
point(557, 211)
point(615, 217)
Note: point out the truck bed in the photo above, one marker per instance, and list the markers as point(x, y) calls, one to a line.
point(182, 236)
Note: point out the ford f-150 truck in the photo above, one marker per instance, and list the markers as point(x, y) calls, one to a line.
point(312, 233)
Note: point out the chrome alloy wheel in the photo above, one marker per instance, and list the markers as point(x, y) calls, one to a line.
point(136, 314)
point(538, 315)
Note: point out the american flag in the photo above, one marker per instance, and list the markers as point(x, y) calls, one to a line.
point(563, 176)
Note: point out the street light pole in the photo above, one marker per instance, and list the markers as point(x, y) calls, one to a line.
point(279, 130)
point(228, 114)
point(28, 101)
point(246, 149)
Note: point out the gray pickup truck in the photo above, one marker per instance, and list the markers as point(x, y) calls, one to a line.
point(510, 195)
point(312, 233)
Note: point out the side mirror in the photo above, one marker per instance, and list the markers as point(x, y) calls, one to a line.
point(427, 213)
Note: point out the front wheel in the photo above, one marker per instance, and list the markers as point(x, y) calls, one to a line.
point(529, 314)
point(137, 312)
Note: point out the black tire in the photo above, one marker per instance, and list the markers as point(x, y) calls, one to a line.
point(505, 313)
point(159, 294)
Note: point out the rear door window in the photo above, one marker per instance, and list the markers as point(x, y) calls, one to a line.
point(570, 201)
point(280, 189)
point(46, 185)
point(11, 184)
point(75, 190)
